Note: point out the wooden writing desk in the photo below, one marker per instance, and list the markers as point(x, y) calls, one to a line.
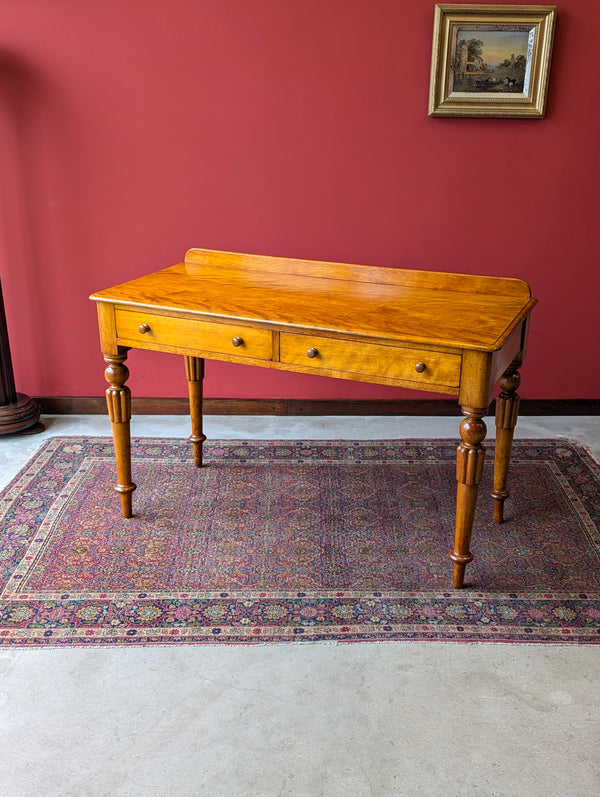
point(446, 333)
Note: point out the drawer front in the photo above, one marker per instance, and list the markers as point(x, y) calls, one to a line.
point(149, 330)
point(334, 356)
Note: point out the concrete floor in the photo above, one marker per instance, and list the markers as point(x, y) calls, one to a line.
point(304, 720)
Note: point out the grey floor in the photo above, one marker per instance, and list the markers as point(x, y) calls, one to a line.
point(305, 720)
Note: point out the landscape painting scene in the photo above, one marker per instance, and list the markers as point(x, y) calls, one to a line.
point(491, 60)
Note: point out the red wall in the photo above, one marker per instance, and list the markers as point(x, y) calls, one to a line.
point(131, 131)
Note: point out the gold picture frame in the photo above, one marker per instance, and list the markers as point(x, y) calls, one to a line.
point(500, 70)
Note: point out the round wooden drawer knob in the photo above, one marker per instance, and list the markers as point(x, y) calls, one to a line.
point(312, 353)
point(420, 367)
point(143, 328)
point(237, 341)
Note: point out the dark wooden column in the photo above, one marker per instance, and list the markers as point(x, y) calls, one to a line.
point(18, 412)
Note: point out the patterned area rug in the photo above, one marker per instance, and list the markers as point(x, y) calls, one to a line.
point(281, 541)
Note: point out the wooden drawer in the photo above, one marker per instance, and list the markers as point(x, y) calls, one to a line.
point(149, 330)
point(346, 357)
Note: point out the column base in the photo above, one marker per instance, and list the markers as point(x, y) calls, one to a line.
point(21, 416)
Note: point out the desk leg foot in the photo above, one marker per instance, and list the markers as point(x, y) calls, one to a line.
point(194, 372)
point(118, 400)
point(507, 412)
point(469, 468)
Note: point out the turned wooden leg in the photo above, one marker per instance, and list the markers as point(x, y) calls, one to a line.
point(118, 400)
point(469, 467)
point(507, 412)
point(194, 371)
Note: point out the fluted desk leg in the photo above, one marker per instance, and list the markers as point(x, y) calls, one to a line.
point(507, 412)
point(194, 371)
point(469, 468)
point(118, 400)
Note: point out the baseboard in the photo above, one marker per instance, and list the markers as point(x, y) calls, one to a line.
point(61, 405)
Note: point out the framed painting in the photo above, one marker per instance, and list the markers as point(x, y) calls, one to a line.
point(491, 60)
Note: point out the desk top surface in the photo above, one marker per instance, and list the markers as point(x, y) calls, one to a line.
point(454, 310)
